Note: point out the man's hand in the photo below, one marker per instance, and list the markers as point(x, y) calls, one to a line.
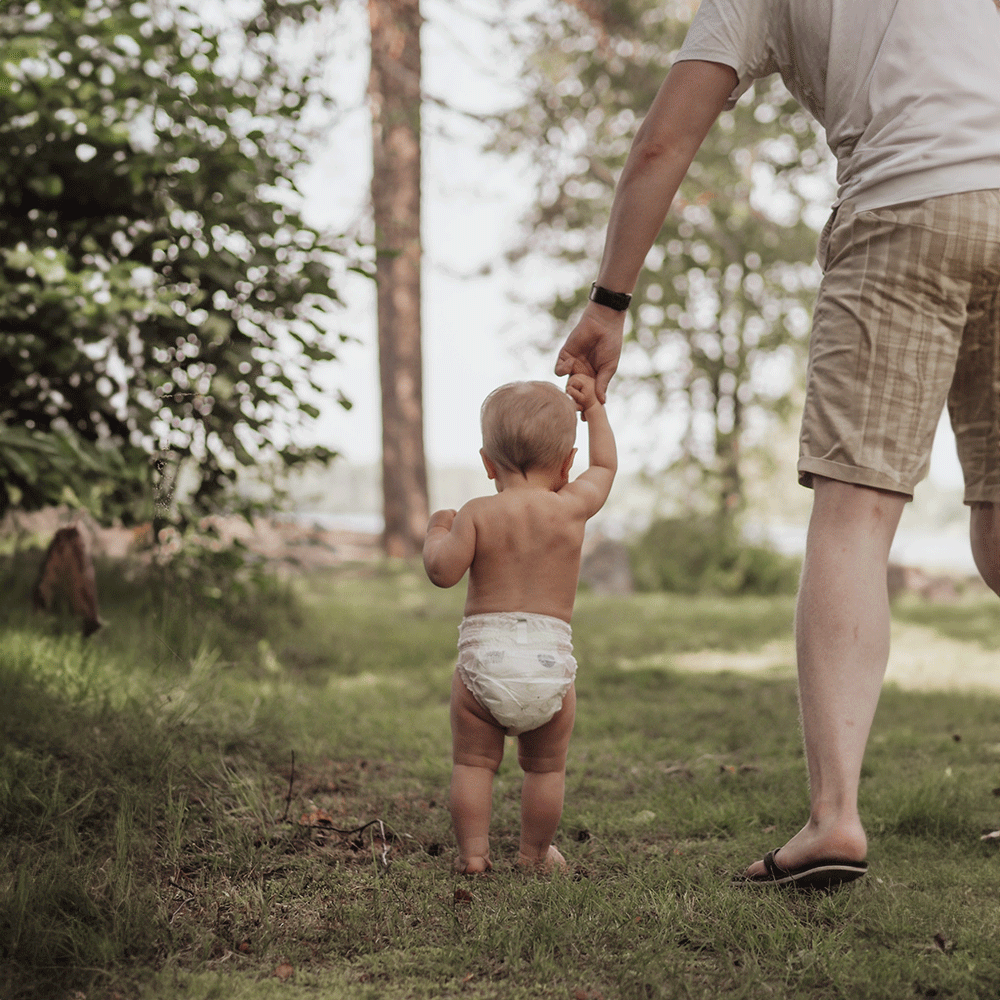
point(594, 347)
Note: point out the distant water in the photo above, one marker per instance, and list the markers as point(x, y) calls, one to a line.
point(945, 552)
point(370, 524)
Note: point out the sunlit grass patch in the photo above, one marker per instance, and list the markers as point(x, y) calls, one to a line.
point(65, 665)
point(975, 619)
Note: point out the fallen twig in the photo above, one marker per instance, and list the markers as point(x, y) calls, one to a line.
point(288, 797)
point(327, 826)
point(333, 829)
point(385, 845)
point(179, 888)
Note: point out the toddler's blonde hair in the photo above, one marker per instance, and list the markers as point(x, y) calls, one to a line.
point(528, 425)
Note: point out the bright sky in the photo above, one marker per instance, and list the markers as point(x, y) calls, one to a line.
point(475, 337)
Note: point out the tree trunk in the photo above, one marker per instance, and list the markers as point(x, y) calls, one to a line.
point(394, 93)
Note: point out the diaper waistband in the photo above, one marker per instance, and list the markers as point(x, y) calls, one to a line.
point(521, 627)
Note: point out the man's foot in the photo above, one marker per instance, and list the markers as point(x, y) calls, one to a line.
point(472, 866)
point(810, 846)
point(552, 860)
point(823, 873)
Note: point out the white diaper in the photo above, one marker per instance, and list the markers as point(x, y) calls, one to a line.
point(518, 666)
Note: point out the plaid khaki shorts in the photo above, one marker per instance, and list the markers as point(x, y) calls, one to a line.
point(907, 318)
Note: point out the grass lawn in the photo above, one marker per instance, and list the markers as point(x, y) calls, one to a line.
point(240, 791)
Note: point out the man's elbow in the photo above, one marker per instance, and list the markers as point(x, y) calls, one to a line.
point(659, 144)
point(648, 147)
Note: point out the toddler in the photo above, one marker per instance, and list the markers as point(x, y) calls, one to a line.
point(522, 548)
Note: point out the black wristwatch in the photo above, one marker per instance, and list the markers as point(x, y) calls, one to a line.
point(613, 300)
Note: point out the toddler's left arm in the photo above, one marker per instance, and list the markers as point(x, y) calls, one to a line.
point(449, 546)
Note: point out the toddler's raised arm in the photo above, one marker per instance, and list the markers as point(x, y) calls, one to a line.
point(594, 484)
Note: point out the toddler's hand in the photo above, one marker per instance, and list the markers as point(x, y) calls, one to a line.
point(583, 391)
point(442, 519)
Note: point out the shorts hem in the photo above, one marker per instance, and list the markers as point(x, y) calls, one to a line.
point(809, 467)
point(982, 495)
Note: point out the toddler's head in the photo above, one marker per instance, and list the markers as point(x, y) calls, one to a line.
point(528, 425)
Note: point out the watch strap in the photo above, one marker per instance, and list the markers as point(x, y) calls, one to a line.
point(619, 301)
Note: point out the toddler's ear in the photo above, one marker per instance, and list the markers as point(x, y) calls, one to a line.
point(491, 469)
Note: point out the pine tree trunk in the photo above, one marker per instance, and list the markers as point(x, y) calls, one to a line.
point(394, 92)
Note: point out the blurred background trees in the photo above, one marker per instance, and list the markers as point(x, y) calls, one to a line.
point(162, 303)
point(720, 316)
point(395, 95)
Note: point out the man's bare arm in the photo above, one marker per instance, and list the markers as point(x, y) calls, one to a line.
point(687, 104)
point(685, 108)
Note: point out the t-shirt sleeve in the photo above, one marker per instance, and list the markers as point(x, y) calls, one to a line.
point(734, 33)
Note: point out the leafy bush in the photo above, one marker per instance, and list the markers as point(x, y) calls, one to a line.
point(700, 555)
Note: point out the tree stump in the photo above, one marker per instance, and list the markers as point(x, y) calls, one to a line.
point(67, 572)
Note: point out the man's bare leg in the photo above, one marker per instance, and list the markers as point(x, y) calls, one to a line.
point(842, 645)
point(984, 534)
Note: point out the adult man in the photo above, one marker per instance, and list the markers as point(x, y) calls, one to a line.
point(907, 316)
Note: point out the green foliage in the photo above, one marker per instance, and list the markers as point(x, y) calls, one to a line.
point(160, 294)
point(690, 555)
point(61, 467)
point(720, 314)
point(223, 577)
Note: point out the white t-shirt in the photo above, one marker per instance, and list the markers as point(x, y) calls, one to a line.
point(907, 90)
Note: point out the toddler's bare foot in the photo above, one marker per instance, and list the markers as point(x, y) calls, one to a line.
point(472, 866)
point(552, 860)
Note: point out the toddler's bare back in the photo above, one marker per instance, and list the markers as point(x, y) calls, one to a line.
point(528, 544)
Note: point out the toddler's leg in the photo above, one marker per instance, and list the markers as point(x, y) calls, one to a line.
point(542, 755)
point(477, 749)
